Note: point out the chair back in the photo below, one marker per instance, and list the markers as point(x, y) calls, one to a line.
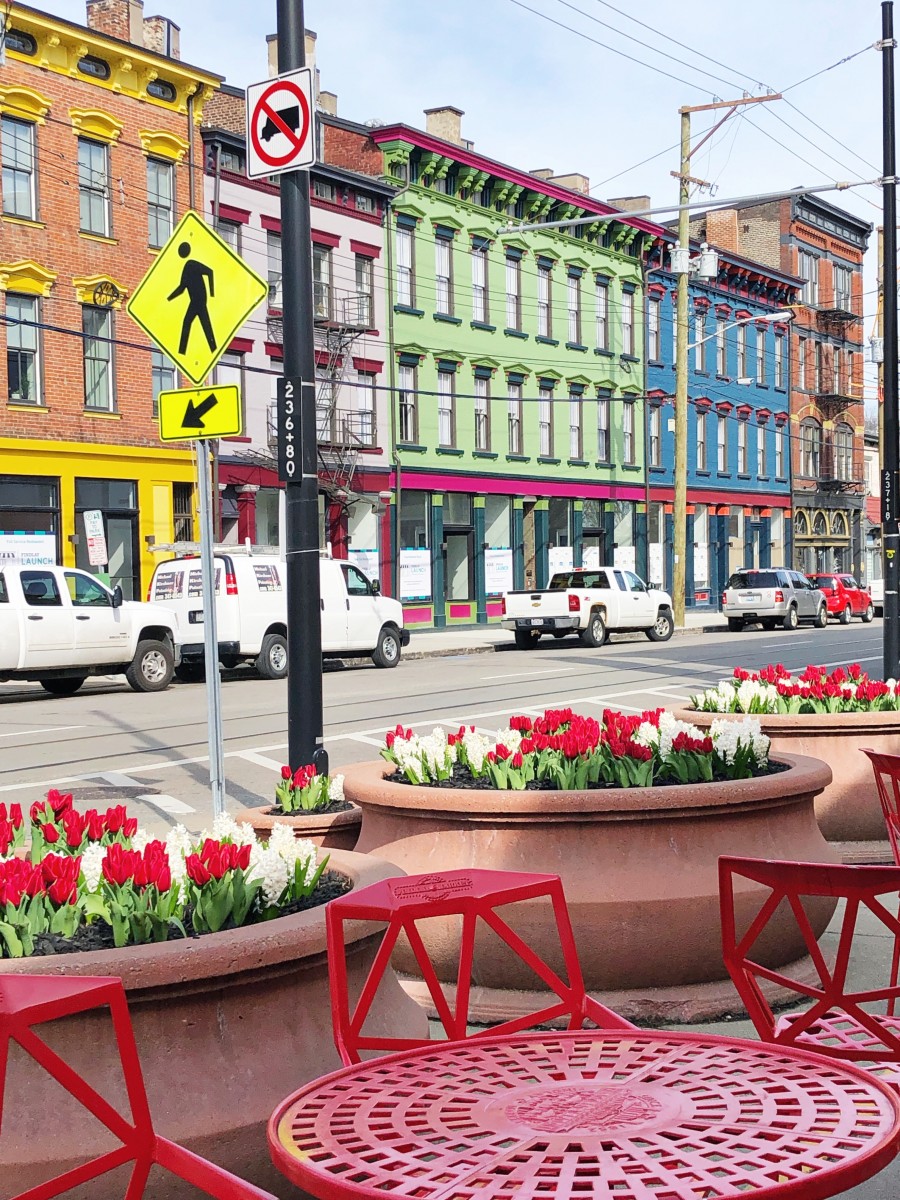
point(886, 768)
point(475, 896)
point(836, 1023)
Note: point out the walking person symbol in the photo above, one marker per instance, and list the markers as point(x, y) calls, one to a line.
point(193, 281)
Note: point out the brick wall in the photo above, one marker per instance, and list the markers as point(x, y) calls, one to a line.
point(352, 150)
point(225, 111)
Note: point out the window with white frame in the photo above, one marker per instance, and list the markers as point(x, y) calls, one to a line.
point(162, 372)
point(843, 453)
point(810, 448)
point(573, 306)
point(93, 187)
point(817, 367)
point(160, 201)
point(323, 294)
point(409, 413)
point(851, 371)
point(654, 424)
point(629, 449)
point(514, 411)
point(654, 347)
point(230, 369)
point(229, 232)
point(603, 443)
point(761, 354)
point(406, 292)
point(365, 407)
point(274, 268)
point(837, 372)
point(702, 456)
point(96, 327)
point(779, 452)
point(545, 419)
point(779, 361)
point(843, 282)
point(23, 350)
point(513, 292)
point(762, 464)
point(808, 270)
point(545, 323)
point(699, 340)
point(482, 412)
point(602, 313)
point(742, 446)
point(628, 321)
point(364, 278)
point(479, 257)
point(742, 351)
point(575, 423)
point(446, 415)
point(802, 345)
point(17, 143)
point(721, 346)
point(721, 443)
point(443, 276)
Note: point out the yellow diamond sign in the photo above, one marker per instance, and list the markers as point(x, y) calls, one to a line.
point(195, 297)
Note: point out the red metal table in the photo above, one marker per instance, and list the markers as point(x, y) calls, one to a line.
point(647, 1115)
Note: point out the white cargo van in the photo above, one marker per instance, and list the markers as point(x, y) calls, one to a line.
point(251, 611)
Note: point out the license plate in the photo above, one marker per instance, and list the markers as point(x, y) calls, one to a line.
point(196, 617)
point(750, 598)
point(537, 620)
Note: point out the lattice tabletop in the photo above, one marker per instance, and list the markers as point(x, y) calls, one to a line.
point(628, 1116)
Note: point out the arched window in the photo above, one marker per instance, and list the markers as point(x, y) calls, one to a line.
point(843, 452)
point(801, 524)
point(810, 448)
point(820, 525)
point(839, 525)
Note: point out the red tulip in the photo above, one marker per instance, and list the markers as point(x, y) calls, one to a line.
point(116, 818)
point(51, 833)
point(196, 871)
point(286, 773)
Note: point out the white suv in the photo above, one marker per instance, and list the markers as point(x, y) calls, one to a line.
point(771, 597)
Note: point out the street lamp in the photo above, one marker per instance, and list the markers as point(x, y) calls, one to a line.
point(762, 319)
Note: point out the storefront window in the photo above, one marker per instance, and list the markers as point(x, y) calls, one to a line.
point(498, 557)
point(735, 539)
point(776, 537)
point(267, 509)
point(559, 524)
point(593, 553)
point(457, 509)
point(29, 520)
point(701, 546)
point(623, 535)
point(116, 499)
point(414, 521)
point(656, 539)
point(362, 529)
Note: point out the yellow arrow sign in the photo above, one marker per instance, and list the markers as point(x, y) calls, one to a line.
point(195, 297)
point(208, 412)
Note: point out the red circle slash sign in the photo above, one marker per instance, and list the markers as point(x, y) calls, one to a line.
point(265, 110)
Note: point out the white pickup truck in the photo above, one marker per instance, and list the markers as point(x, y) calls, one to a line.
point(590, 602)
point(59, 625)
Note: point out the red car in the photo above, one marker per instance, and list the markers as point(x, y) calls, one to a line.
point(844, 597)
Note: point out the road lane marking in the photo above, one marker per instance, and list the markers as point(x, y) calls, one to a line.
point(260, 760)
point(46, 729)
point(167, 804)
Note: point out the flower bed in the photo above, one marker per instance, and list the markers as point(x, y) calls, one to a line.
point(774, 690)
point(91, 880)
point(312, 806)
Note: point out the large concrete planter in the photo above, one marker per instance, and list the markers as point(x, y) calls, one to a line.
point(334, 831)
point(639, 867)
point(226, 1026)
point(848, 810)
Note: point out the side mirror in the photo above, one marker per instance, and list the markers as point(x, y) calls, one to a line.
point(118, 597)
point(376, 587)
point(655, 587)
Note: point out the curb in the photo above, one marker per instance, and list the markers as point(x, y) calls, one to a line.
point(504, 646)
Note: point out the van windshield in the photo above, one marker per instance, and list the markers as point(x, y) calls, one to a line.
point(753, 579)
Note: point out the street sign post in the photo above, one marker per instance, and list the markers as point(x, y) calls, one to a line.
point(195, 413)
point(195, 296)
point(280, 125)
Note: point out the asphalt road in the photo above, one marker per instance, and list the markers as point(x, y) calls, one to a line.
point(109, 744)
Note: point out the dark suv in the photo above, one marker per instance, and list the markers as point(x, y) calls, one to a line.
point(771, 597)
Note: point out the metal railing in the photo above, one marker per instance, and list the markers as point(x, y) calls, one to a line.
point(334, 427)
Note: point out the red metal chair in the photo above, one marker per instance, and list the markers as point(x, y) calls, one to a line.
point(474, 895)
point(836, 1024)
point(886, 768)
point(26, 1001)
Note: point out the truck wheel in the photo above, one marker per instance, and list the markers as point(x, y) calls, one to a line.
point(868, 614)
point(663, 629)
point(735, 624)
point(595, 634)
point(152, 668)
point(272, 660)
point(845, 615)
point(524, 639)
point(790, 619)
point(387, 652)
point(62, 687)
point(190, 672)
point(821, 620)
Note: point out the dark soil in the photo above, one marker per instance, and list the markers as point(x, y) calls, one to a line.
point(461, 780)
point(99, 935)
point(335, 806)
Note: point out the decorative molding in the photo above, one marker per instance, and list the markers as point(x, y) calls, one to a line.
point(26, 276)
point(86, 286)
point(19, 101)
point(94, 123)
point(161, 144)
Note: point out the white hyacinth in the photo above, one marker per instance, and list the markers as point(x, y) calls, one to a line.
point(270, 869)
point(179, 843)
point(510, 738)
point(226, 828)
point(669, 729)
point(92, 865)
point(141, 840)
point(336, 789)
point(729, 736)
point(476, 746)
point(647, 734)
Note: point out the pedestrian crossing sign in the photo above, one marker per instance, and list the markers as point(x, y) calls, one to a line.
point(195, 297)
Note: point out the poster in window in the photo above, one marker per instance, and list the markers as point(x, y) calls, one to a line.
point(624, 558)
point(701, 564)
point(28, 549)
point(560, 558)
point(367, 561)
point(498, 571)
point(655, 565)
point(415, 574)
point(590, 557)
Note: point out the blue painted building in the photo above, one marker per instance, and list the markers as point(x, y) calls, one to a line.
point(739, 458)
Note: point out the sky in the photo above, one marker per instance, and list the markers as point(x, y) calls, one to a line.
point(538, 94)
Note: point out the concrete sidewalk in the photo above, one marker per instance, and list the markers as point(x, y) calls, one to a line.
point(487, 639)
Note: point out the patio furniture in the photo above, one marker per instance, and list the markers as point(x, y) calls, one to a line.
point(29, 1000)
point(592, 1113)
point(838, 1023)
point(475, 896)
point(886, 768)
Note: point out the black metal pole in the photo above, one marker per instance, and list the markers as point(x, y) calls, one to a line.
point(890, 465)
point(304, 699)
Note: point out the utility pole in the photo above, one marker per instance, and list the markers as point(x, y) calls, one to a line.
point(679, 573)
point(304, 699)
point(890, 459)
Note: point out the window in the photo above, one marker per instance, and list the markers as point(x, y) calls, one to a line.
point(405, 288)
point(97, 68)
point(482, 413)
point(514, 401)
point(809, 271)
point(627, 321)
point(801, 361)
point(230, 369)
point(742, 351)
point(545, 323)
point(446, 416)
point(409, 416)
point(761, 461)
point(837, 372)
point(628, 440)
point(843, 280)
point(479, 282)
point(779, 361)
point(364, 276)
point(365, 407)
point(602, 317)
point(18, 147)
point(366, 204)
point(161, 89)
point(160, 201)
point(443, 253)
point(23, 360)
point(603, 447)
point(40, 588)
point(85, 592)
point(760, 355)
point(162, 371)
point(93, 186)
point(356, 582)
point(231, 160)
point(721, 347)
point(722, 443)
point(851, 371)
point(513, 293)
point(654, 348)
point(545, 419)
point(655, 430)
point(742, 447)
point(702, 457)
point(324, 191)
point(21, 42)
point(817, 367)
point(779, 451)
point(843, 453)
point(699, 341)
point(229, 232)
point(183, 511)
point(810, 448)
point(96, 325)
point(575, 420)
point(322, 295)
point(573, 303)
point(273, 255)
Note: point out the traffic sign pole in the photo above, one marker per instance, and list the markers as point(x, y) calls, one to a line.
point(211, 635)
point(305, 716)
